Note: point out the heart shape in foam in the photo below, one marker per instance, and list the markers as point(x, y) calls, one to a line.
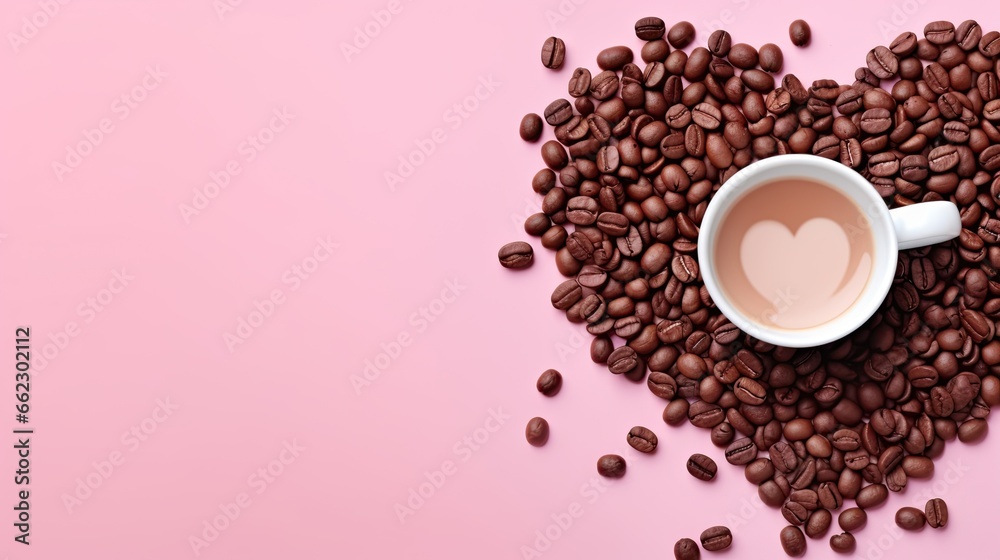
point(805, 268)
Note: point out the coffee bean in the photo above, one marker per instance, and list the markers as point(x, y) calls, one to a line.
point(649, 28)
point(871, 496)
point(719, 42)
point(517, 254)
point(771, 59)
point(622, 360)
point(883, 63)
point(852, 519)
point(793, 542)
point(844, 543)
point(940, 32)
point(800, 33)
point(743, 56)
point(681, 34)
point(702, 467)
point(642, 439)
point(716, 538)
point(910, 519)
point(741, 452)
point(558, 112)
point(614, 58)
point(686, 549)
point(537, 431)
point(549, 382)
point(553, 52)
point(531, 127)
point(936, 512)
point(972, 431)
point(611, 466)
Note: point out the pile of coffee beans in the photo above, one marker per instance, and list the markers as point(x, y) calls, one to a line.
point(638, 154)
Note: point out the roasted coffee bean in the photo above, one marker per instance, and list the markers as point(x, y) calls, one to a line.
point(793, 542)
point(702, 467)
point(681, 34)
point(844, 543)
point(611, 466)
point(771, 58)
point(537, 431)
point(936, 513)
point(743, 56)
point(642, 439)
point(882, 62)
point(871, 496)
point(623, 359)
point(549, 382)
point(686, 549)
point(553, 52)
point(940, 32)
point(910, 519)
point(719, 42)
point(852, 519)
point(741, 452)
point(649, 28)
point(800, 33)
point(716, 538)
point(517, 254)
point(531, 127)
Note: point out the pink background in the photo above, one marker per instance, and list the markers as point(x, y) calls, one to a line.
point(320, 176)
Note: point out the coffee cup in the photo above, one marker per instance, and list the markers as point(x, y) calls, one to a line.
point(798, 250)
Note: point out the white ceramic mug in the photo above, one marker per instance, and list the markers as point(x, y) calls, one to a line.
point(906, 227)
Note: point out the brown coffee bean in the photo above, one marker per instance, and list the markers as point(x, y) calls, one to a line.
point(686, 549)
point(936, 513)
point(716, 538)
point(940, 32)
point(882, 62)
point(642, 439)
point(681, 34)
point(910, 519)
point(549, 382)
point(702, 467)
point(852, 519)
point(800, 33)
point(771, 58)
point(872, 496)
point(553, 52)
point(844, 543)
point(517, 254)
point(611, 466)
point(537, 431)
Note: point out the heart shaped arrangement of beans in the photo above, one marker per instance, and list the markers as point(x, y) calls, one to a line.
point(638, 154)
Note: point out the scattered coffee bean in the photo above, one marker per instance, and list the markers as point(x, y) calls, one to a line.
point(793, 542)
point(549, 382)
point(716, 538)
point(553, 52)
point(844, 543)
point(611, 466)
point(537, 431)
point(936, 513)
point(531, 127)
point(681, 34)
point(649, 28)
point(771, 59)
point(702, 467)
point(642, 439)
point(910, 519)
point(686, 549)
point(852, 519)
point(800, 33)
point(517, 254)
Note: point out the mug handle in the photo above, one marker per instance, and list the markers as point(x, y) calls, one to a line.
point(926, 223)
